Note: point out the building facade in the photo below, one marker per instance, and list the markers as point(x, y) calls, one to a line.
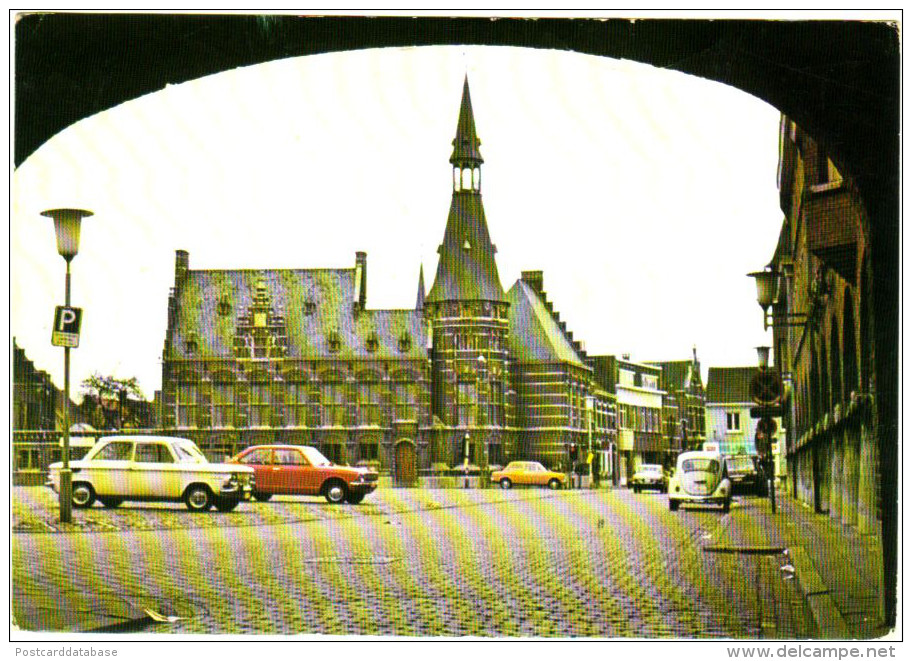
point(684, 404)
point(296, 356)
point(639, 412)
point(823, 335)
point(729, 425)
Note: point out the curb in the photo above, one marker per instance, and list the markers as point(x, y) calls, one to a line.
point(830, 623)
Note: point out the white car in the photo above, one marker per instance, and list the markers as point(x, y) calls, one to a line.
point(699, 477)
point(154, 468)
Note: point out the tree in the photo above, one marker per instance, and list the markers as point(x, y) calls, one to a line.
point(107, 401)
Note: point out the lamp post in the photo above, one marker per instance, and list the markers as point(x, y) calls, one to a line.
point(67, 223)
point(766, 455)
point(590, 403)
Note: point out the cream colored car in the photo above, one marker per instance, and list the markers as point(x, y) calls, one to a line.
point(154, 468)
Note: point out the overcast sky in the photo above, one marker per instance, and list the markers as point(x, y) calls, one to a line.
point(644, 195)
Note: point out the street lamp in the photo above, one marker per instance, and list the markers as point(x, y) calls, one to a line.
point(67, 223)
point(767, 282)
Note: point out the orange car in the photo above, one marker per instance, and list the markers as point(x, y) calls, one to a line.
point(301, 469)
point(527, 472)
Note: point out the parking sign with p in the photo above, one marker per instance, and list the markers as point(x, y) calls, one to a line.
point(67, 321)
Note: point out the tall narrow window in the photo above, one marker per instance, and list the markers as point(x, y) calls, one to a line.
point(334, 404)
point(368, 404)
point(259, 405)
point(404, 401)
point(185, 405)
point(222, 405)
point(466, 405)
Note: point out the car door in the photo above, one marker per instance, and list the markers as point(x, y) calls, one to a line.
point(290, 470)
point(108, 470)
point(537, 474)
point(153, 471)
point(260, 460)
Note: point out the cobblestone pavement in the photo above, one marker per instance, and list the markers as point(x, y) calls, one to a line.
point(407, 562)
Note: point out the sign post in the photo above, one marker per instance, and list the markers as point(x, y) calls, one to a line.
point(766, 391)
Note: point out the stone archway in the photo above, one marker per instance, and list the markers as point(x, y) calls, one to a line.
point(405, 463)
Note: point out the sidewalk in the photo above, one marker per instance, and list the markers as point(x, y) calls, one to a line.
point(838, 570)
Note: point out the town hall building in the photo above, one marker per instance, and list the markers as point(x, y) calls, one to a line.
point(297, 356)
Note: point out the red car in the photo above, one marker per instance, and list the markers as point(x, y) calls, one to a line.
point(303, 470)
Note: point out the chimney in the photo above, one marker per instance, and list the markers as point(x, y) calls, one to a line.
point(535, 280)
point(360, 280)
point(181, 266)
point(625, 356)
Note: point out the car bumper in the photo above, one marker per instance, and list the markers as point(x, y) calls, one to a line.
point(711, 500)
point(244, 492)
point(362, 488)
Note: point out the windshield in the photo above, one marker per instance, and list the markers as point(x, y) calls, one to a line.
point(188, 453)
point(315, 457)
point(704, 465)
point(650, 468)
point(739, 463)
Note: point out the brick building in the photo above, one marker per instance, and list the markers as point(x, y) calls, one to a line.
point(684, 404)
point(823, 335)
point(297, 356)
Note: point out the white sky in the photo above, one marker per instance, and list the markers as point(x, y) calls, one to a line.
point(644, 195)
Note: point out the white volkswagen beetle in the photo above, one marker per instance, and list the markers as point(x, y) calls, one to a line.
point(699, 477)
point(154, 468)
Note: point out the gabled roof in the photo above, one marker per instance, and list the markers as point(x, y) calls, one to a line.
point(466, 269)
point(678, 374)
point(729, 385)
point(534, 334)
point(317, 305)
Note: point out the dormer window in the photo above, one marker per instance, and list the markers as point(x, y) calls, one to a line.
point(191, 346)
point(371, 343)
point(333, 342)
point(405, 342)
point(309, 308)
point(224, 306)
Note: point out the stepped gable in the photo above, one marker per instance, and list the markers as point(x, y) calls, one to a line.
point(536, 334)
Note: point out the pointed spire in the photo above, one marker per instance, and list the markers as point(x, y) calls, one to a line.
point(466, 142)
point(419, 303)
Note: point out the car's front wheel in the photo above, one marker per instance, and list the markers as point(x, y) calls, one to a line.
point(262, 497)
point(505, 483)
point(335, 492)
point(726, 505)
point(554, 483)
point(198, 498)
point(226, 504)
point(110, 501)
point(673, 505)
point(354, 498)
point(83, 494)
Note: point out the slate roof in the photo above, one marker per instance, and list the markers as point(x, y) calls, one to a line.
point(332, 293)
point(729, 385)
point(466, 269)
point(466, 142)
point(534, 334)
point(677, 374)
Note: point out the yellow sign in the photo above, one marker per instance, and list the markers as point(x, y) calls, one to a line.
point(589, 458)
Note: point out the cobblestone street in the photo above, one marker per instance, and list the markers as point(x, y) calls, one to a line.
point(406, 562)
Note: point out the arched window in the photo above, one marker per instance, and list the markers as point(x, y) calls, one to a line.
point(849, 361)
point(835, 371)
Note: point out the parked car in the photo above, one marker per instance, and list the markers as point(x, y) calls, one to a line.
point(745, 474)
point(527, 472)
point(699, 478)
point(649, 476)
point(154, 468)
point(303, 470)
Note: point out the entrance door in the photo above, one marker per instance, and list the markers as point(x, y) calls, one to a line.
point(406, 469)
